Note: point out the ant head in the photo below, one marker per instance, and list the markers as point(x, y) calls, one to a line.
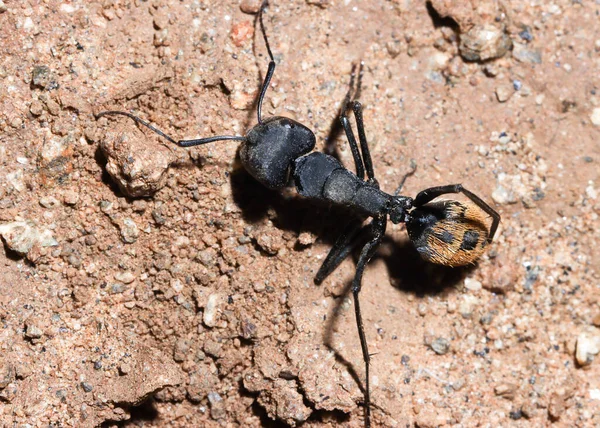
point(271, 148)
point(449, 233)
point(399, 206)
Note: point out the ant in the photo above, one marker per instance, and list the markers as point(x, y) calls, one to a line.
point(446, 232)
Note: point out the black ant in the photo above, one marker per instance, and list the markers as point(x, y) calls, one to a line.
point(445, 232)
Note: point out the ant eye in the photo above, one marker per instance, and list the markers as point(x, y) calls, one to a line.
point(449, 233)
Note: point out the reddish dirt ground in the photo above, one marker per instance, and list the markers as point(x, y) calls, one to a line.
point(148, 285)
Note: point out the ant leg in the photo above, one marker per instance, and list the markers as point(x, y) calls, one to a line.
point(180, 143)
point(430, 194)
point(344, 244)
point(379, 226)
point(271, 69)
point(364, 146)
point(358, 162)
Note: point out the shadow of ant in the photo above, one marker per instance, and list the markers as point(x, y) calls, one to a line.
point(144, 412)
point(409, 273)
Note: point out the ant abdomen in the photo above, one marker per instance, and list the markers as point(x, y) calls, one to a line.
point(271, 147)
point(449, 233)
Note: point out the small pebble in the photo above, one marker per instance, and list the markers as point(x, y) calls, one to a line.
point(526, 35)
point(217, 405)
point(250, 6)
point(394, 47)
point(117, 288)
point(503, 93)
point(306, 238)
point(517, 85)
point(125, 277)
point(87, 387)
point(503, 196)
point(491, 70)
point(472, 284)
point(440, 346)
point(36, 108)
point(125, 368)
point(467, 306)
point(484, 42)
point(248, 329)
point(7, 374)
point(210, 310)
point(9, 393)
point(595, 116)
point(588, 346)
point(506, 390)
point(33, 332)
point(138, 167)
point(42, 77)
point(523, 54)
point(49, 202)
point(3, 7)
point(129, 231)
point(21, 236)
point(71, 197)
point(539, 99)
point(515, 415)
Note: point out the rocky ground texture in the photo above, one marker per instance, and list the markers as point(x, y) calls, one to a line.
point(148, 285)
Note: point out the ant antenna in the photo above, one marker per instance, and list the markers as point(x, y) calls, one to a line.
point(138, 120)
point(180, 143)
point(271, 68)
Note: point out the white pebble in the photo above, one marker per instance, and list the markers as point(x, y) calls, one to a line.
point(595, 116)
point(210, 310)
point(472, 284)
point(588, 345)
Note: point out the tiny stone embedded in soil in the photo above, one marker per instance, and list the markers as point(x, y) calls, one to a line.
point(217, 405)
point(440, 346)
point(138, 167)
point(484, 42)
point(23, 236)
point(43, 77)
point(211, 309)
point(525, 54)
point(87, 387)
point(129, 231)
point(588, 346)
point(250, 6)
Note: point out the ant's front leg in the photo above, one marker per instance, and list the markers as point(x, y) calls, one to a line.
point(379, 226)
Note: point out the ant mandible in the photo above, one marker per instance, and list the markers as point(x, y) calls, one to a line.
point(445, 232)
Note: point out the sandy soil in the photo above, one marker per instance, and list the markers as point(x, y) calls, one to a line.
point(148, 285)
